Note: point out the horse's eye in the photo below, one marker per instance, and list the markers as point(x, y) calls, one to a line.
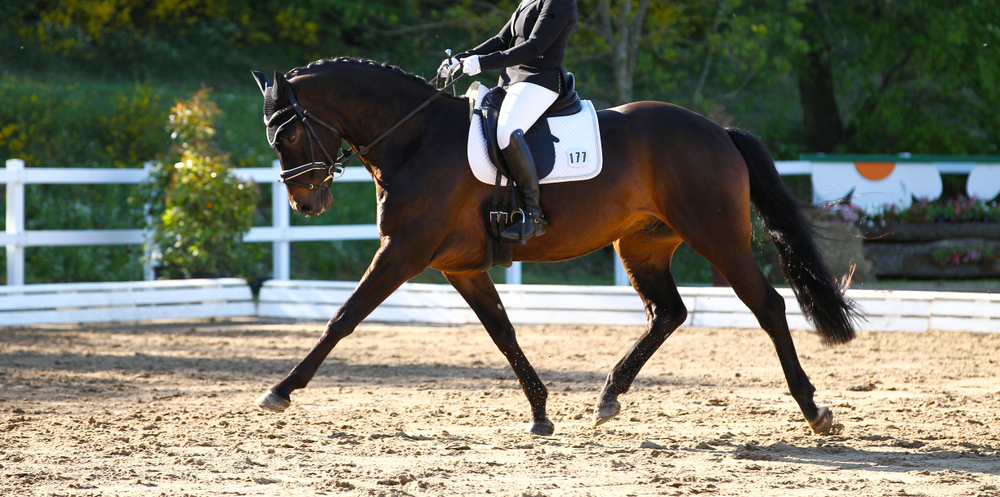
point(290, 136)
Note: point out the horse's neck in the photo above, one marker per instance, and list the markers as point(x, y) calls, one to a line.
point(373, 112)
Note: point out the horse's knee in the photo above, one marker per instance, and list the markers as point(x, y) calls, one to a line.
point(335, 331)
point(668, 318)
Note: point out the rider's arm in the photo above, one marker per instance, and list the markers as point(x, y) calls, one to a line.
point(499, 42)
point(553, 18)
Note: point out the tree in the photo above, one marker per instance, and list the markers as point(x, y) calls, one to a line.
point(886, 76)
point(620, 28)
point(707, 51)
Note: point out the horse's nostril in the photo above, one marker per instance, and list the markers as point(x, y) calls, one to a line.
point(305, 208)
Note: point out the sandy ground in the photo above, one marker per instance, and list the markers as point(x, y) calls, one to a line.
point(168, 409)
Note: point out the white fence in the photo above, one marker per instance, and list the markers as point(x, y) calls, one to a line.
point(886, 310)
point(532, 304)
point(440, 304)
point(124, 301)
point(280, 233)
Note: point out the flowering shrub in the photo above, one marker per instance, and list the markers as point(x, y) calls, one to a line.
point(197, 209)
point(957, 210)
point(845, 213)
point(984, 257)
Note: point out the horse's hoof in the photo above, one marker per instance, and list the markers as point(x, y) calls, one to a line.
point(270, 401)
point(606, 412)
point(823, 422)
point(543, 428)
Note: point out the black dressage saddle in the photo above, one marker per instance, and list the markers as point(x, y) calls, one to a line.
point(539, 138)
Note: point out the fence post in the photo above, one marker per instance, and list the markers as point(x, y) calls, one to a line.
point(621, 277)
point(513, 273)
point(280, 212)
point(150, 251)
point(15, 222)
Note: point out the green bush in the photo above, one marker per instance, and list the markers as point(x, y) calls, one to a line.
point(197, 209)
point(69, 124)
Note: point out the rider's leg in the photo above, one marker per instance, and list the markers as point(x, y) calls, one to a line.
point(523, 105)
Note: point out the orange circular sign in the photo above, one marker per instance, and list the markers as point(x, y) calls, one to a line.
point(874, 170)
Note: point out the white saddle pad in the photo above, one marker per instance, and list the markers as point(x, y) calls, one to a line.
point(578, 151)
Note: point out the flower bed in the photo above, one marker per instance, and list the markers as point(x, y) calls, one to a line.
point(957, 238)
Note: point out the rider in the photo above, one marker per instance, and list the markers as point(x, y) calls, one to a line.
point(530, 48)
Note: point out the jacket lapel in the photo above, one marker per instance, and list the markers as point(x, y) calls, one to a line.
point(524, 4)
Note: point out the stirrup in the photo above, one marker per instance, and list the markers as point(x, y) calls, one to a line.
point(517, 233)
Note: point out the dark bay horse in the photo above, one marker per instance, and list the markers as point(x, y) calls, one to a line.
point(669, 176)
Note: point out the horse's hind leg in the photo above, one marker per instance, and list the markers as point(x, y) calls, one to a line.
point(478, 290)
point(646, 258)
point(751, 286)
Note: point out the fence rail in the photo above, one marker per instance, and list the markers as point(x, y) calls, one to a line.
point(440, 304)
point(281, 234)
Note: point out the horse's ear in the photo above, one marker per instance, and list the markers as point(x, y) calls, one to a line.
point(280, 85)
point(262, 81)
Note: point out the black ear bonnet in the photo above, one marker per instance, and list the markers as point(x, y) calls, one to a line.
point(275, 121)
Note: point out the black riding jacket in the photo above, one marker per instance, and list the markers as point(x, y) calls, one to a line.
point(532, 45)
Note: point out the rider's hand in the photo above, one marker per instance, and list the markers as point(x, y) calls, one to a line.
point(470, 65)
point(449, 67)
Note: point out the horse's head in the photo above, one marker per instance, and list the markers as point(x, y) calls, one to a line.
point(303, 142)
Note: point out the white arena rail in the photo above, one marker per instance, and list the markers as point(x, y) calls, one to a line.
point(532, 304)
point(125, 301)
point(886, 310)
point(15, 237)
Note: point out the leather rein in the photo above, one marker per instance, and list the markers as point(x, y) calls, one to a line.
point(334, 168)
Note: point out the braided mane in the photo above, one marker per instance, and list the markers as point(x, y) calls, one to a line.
point(326, 65)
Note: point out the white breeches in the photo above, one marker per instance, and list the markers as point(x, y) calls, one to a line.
point(523, 105)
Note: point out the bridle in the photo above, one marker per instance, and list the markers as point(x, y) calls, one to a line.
point(334, 168)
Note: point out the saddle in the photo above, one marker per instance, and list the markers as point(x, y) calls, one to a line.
point(539, 137)
point(498, 209)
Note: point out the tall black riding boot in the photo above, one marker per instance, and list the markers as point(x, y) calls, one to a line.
point(522, 171)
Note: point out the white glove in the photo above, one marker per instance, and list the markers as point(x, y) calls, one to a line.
point(448, 67)
point(470, 65)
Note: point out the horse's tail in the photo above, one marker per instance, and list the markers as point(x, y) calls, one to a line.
point(820, 296)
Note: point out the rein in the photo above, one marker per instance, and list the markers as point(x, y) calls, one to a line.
point(335, 168)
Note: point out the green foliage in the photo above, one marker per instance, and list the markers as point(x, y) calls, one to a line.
point(197, 208)
point(218, 40)
point(919, 76)
point(56, 124)
point(915, 76)
point(59, 124)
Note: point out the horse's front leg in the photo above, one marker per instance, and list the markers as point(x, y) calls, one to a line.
point(478, 290)
point(391, 267)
